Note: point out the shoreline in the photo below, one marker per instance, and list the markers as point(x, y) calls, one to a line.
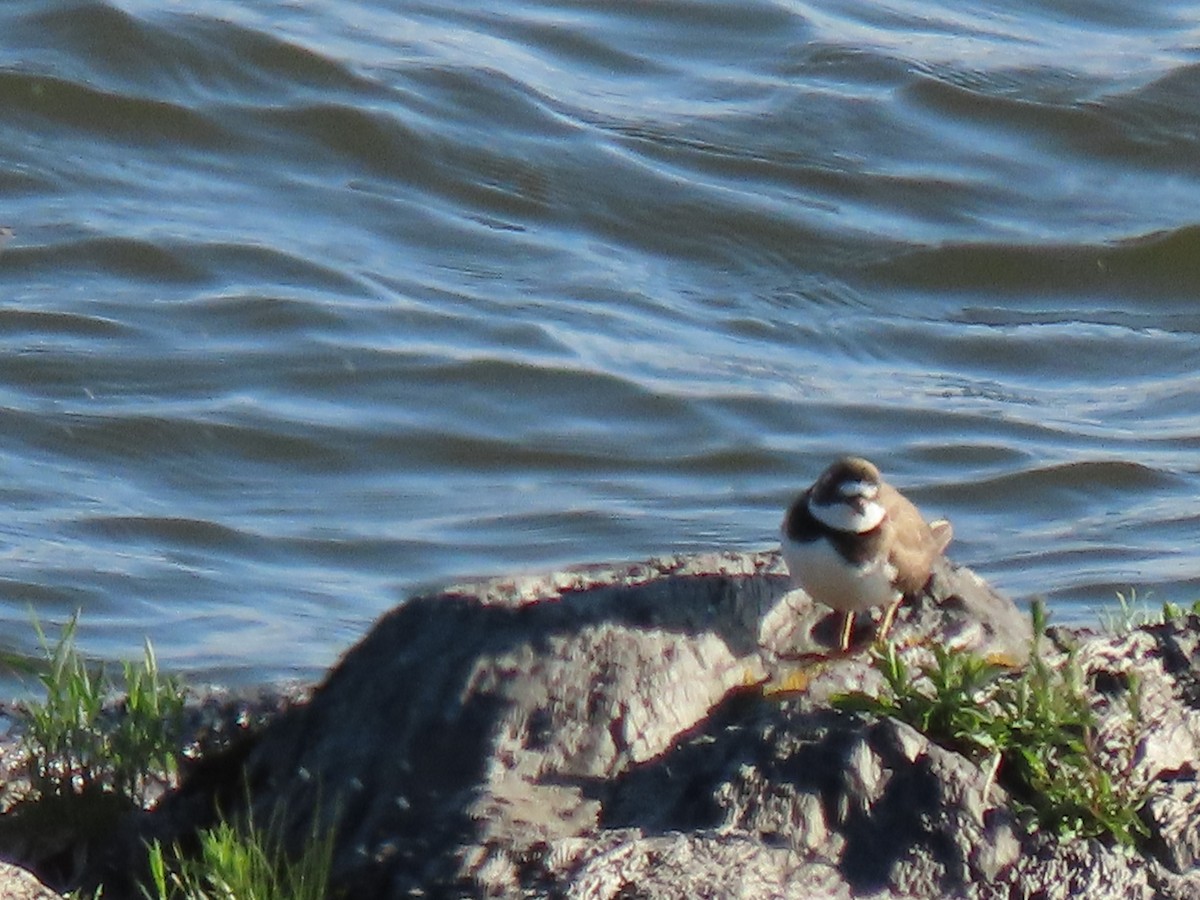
point(522, 734)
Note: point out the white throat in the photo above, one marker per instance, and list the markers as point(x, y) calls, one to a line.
point(841, 517)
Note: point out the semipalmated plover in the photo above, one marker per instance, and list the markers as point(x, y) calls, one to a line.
point(853, 542)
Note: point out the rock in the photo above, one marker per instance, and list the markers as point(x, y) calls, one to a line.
point(1171, 812)
point(18, 884)
point(873, 801)
point(603, 732)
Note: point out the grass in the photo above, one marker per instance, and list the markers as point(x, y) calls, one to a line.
point(91, 751)
point(1037, 724)
point(94, 747)
point(242, 864)
point(1134, 612)
point(78, 743)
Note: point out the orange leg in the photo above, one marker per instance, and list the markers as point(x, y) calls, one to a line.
point(885, 624)
point(847, 627)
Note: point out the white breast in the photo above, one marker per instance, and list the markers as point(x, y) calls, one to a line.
point(826, 577)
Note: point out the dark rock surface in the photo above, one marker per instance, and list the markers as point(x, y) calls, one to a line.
point(603, 733)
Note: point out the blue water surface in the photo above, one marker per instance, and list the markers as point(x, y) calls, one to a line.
point(310, 305)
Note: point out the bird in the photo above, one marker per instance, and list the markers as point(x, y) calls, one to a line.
point(853, 543)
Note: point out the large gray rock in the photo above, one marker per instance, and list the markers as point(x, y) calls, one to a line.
point(604, 732)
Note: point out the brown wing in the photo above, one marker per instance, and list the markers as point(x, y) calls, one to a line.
point(915, 544)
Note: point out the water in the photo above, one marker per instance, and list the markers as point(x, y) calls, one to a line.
point(309, 305)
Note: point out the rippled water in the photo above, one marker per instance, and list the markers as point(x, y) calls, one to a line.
point(310, 304)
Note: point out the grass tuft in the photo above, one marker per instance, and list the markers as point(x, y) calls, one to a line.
point(1132, 612)
point(242, 864)
point(1135, 612)
point(77, 744)
point(1038, 722)
point(93, 749)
